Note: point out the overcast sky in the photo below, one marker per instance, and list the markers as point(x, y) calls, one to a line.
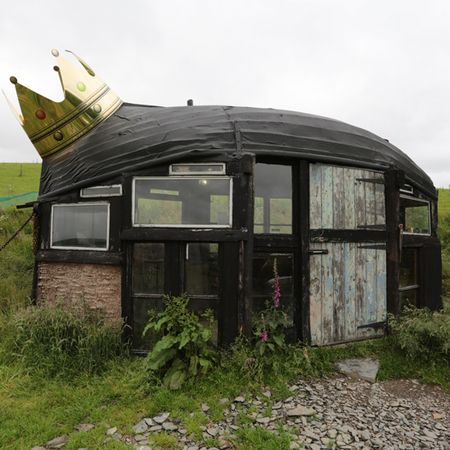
point(382, 65)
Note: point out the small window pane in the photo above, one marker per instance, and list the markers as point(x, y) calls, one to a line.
point(202, 269)
point(415, 215)
point(102, 191)
point(408, 267)
point(142, 307)
point(183, 202)
point(148, 268)
point(263, 277)
point(194, 169)
point(80, 226)
point(273, 199)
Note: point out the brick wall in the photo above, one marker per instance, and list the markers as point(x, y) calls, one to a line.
point(95, 286)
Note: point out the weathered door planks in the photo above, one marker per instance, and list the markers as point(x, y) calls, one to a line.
point(348, 279)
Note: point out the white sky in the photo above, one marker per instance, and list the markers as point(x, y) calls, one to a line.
point(382, 65)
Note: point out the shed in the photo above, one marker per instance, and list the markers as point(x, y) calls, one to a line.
point(140, 201)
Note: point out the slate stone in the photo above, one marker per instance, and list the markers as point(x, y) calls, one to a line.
point(84, 427)
point(58, 442)
point(300, 411)
point(365, 368)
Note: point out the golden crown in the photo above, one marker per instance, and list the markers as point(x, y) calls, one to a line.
point(52, 126)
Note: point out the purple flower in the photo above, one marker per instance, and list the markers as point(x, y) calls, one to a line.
point(264, 336)
point(276, 286)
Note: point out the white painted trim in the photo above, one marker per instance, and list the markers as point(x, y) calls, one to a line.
point(194, 226)
point(102, 195)
point(59, 247)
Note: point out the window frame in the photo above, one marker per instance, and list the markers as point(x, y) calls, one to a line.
point(108, 226)
point(183, 177)
point(82, 195)
point(420, 200)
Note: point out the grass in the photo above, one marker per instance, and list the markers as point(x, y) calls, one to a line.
point(444, 202)
point(16, 260)
point(35, 408)
point(19, 178)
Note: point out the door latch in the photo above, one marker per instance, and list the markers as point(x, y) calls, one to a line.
point(318, 251)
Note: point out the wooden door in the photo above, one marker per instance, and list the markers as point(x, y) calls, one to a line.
point(347, 254)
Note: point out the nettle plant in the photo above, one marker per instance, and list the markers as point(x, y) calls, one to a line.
point(270, 325)
point(184, 349)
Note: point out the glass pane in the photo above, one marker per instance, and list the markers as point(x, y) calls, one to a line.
point(148, 268)
point(159, 211)
point(199, 201)
point(102, 191)
point(193, 169)
point(80, 226)
point(220, 209)
point(141, 310)
point(202, 269)
point(408, 267)
point(263, 278)
point(408, 298)
point(415, 215)
point(273, 199)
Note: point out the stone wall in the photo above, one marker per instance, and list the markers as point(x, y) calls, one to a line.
point(95, 286)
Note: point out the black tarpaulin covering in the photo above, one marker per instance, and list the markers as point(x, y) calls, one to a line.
point(137, 136)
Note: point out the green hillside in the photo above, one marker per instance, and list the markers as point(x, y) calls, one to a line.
point(19, 183)
point(444, 202)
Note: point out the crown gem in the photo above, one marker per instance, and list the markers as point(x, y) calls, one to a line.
point(97, 108)
point(55, 52)
point(81, 86)
point(58, 136)
point(40, 114)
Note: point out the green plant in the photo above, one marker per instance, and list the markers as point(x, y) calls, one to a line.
point(421, 334)
point(271, 323)
point(184, 349)
point(57, 341)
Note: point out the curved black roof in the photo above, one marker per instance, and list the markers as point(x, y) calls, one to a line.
point(137, 136)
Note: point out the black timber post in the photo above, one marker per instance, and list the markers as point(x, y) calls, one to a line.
point(303, 207)
point(242, 169)
point(393, 182)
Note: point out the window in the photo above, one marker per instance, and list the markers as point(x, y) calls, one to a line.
point(415, 215)
point(409, 284)
point(202, 269)
point(273, 199)
point(197, 169)
point(201, 280)
point(263, 278)
point(148, 268)
point(101, 191)
point(80, 226)
point(182, 202)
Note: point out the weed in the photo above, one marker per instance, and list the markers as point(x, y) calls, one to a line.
point(421, 334)
point(184, 350)
point(59, 342)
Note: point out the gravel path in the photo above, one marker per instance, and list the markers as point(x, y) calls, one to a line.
point(326, 414)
